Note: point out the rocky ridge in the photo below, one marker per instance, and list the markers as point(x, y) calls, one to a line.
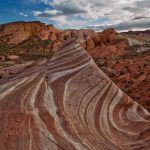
point(69, 103)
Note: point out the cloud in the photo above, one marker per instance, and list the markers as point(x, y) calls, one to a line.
point(48, 13)
point(69, 6)
point(94, 12)
point(140, 17)
point(62, 7)
point(133, 25)
point(124, 26)
point(143, 3)
point(22, 14)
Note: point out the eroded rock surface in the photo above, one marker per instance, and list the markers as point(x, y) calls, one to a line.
point(17, 32)
point(69, 103)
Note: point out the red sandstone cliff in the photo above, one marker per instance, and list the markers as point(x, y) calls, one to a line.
point(19, 31)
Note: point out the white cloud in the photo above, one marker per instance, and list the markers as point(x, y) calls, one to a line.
point(84, 12)
point(141, 24)
point(60, 20)
point(48, 13)
point(22, 14)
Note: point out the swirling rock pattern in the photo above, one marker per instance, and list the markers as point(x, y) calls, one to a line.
point(68, 103)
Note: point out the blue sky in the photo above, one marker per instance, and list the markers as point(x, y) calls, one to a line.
point(95, 14)
point(18, 10)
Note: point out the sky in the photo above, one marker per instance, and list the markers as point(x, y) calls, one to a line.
point(121, 15)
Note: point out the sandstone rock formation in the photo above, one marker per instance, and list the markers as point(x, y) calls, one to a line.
point(69, 103)
point(99, 44)
point(17, 32)
point(18, 37)
point(131, 73)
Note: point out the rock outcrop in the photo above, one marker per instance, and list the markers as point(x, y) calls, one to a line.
point(17, 32)
point(107, 44)
point(132, 74)
point(69, 103)
point(18, 38)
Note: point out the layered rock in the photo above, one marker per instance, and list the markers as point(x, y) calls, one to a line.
point(69, 103)
point(17, 32)
point(99, 44)
point(131, 73)
point(107, 44)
